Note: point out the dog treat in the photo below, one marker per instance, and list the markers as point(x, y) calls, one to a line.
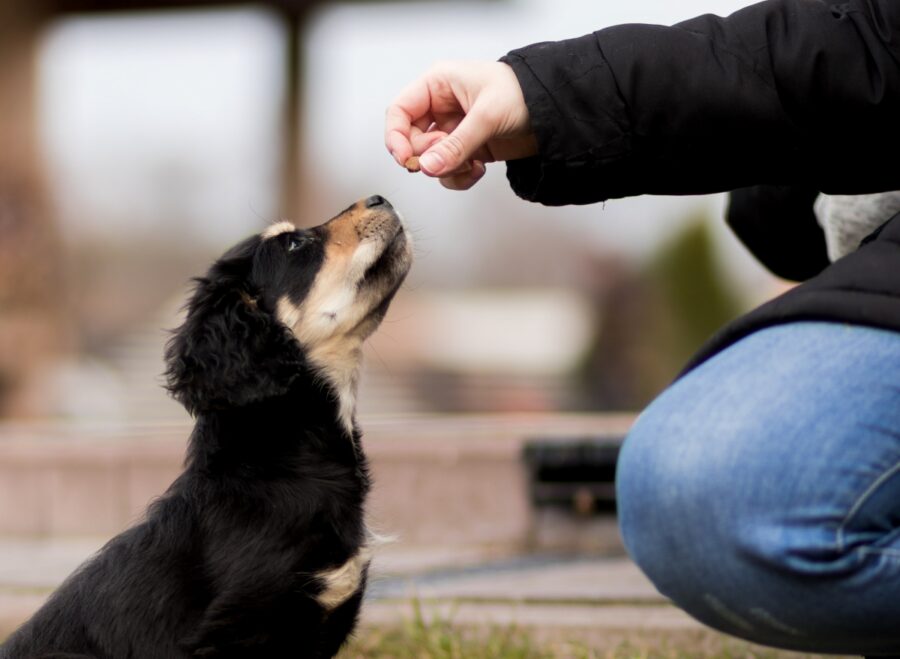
point(412, 164)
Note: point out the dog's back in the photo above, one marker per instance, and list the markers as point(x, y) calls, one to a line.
point(93, 613)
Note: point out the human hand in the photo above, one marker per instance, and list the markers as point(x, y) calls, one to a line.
point(459, 116)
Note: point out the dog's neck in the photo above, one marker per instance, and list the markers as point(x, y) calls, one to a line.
point(338, 363)
point(272, 430)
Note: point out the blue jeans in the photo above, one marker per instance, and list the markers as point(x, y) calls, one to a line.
point(761, 492)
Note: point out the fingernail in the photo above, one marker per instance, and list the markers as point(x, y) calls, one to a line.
point(431, 162)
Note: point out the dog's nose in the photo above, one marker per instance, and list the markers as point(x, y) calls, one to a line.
point(377, 200)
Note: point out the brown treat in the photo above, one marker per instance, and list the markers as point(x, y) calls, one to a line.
point(412, 164)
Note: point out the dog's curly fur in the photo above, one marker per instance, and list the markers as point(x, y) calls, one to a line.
point(259, 549)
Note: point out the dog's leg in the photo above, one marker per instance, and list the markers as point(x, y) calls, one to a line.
point(262, 623)
point(340, 623)
point(340, 583)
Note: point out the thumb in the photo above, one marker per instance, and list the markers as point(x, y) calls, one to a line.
point(452, 152)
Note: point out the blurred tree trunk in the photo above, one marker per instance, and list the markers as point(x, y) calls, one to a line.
point(32, 327)
point(292, 193)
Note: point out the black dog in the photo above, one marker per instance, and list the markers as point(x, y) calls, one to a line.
point(259, 549)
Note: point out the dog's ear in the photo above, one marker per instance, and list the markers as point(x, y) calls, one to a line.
point(229, 352)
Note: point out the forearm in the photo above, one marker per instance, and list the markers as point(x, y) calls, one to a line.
point(782, 92)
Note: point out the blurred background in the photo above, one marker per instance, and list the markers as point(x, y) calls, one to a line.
point(140, 138)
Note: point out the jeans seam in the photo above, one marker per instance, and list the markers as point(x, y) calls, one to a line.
point(888, 552)
point(865, 496)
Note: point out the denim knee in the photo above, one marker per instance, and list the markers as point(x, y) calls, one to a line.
point(663, 503)
point(694, 534)
point(705, 502)
point(761, 498)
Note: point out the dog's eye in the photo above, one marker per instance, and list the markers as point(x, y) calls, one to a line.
point(294, 244)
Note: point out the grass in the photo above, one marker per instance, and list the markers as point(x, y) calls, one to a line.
point(439, 638)
point(436, 636)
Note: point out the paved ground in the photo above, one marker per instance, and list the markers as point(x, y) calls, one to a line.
point(599, 602)
point(471, 585)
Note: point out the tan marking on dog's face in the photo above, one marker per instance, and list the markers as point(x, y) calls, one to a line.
point(277, 229)
point(334, 305)
point(336, 315)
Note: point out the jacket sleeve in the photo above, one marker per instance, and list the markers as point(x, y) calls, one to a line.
point(784, 92)
point(778, 225)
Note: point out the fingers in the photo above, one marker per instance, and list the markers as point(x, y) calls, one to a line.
point(422, 141)
point(409, 113)
point(464, 176)
point(446, 118)
point(447, 155)
point(465, 180)
point(461, 178)
point(398, 126)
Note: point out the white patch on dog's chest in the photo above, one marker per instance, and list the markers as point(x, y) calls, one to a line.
point(342, 582)
point(336, 357)
point(338, 362)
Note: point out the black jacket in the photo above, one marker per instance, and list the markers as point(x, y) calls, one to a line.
point(778, 101)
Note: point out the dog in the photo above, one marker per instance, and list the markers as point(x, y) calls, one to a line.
point(259, 549)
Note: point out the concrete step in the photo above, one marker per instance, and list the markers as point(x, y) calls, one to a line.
point(468, 585)
point(545, 579)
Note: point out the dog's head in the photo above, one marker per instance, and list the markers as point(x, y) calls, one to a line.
point(288, 303)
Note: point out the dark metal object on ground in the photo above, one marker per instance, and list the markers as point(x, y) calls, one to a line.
point(577, 474)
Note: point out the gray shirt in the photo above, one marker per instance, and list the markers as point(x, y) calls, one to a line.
point(847, 219)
